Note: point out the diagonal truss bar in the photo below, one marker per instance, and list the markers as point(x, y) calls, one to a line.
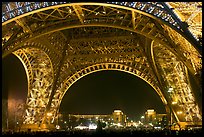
point(133, 19)
point(79, 13)
point(25, 27)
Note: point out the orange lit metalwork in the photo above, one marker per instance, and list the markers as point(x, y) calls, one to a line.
point(59, 43)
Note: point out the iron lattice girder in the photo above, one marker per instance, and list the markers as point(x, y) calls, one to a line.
point(50, 35)
point(158, 10)
point(114, 17)
point(54, 44)
point(175, 76)
point(79, 61)
point(191, 13)
point(40, 79)
point(106, 50)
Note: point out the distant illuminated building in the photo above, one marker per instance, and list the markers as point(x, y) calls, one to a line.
point(161, 120)
point(90, 121)
point(97, 117)
point(119, 117)
point(156, 119)
point(150, 116)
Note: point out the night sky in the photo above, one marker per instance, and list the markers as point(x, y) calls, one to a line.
point(97, 93)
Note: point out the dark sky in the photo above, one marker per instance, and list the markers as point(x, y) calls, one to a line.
point(97, 93)
point(14, 79)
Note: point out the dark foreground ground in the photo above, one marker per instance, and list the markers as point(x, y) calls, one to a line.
point(111, 133)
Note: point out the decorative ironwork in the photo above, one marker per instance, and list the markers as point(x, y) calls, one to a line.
point(40, 78)
point(60, 42)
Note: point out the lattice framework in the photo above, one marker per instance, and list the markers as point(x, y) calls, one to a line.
point(72, 42)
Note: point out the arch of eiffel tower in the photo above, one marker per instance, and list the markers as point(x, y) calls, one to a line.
point(60, 42)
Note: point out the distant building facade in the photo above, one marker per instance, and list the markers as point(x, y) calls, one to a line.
point(117, 118)
point(151, 117)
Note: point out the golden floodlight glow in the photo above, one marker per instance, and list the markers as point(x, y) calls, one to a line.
point(49, 114)
point(150, 110)
point(174, 102)
point(117, 111)
point(179, 112)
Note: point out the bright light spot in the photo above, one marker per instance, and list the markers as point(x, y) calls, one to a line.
point(150, 124)
point(117, 111)
point(142, 116)
point(150, 110)
point(135, 124)
point(49, 114)
point(157, 127)
point(81, 127)
point(92, 126)
point(170, 89)
point(179, 112)
point(57, 127)
point(65, 122)
point(174, 102)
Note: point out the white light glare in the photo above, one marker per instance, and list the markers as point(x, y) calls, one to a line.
point(92, 126)
point(170, 89)
point(57, 127)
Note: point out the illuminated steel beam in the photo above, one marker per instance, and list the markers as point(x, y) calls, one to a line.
point(79, 13)
point(133, 19)
point(40, 80)
point(25, 27)
point(145, 39)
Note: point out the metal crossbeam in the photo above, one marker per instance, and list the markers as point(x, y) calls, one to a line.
point(59, 44)
point(79, 13)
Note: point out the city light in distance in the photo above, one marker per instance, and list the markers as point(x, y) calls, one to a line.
point(92, 126)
